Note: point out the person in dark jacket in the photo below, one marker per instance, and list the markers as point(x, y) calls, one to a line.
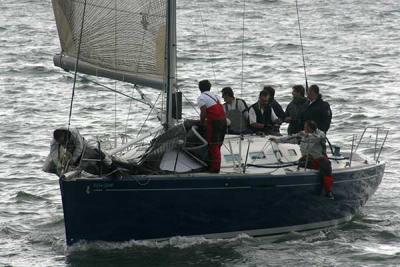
point(274, 104)
point(276, 108)
point(262, 118)
point(318, 110)
point(295, 110)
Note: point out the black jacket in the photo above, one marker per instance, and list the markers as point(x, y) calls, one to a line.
point(295, 110)
point(264, 118)
point(320, 112)
point(278, 109)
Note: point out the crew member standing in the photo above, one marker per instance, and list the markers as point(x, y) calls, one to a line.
point(212, 115)
point(236, 111)
point(295, 110)
point(318, 110)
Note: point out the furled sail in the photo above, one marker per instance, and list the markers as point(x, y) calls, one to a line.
point(121, 39)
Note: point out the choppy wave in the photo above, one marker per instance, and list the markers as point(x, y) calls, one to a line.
point(27, 197)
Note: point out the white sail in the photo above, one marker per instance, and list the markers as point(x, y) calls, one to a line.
point(121, 39)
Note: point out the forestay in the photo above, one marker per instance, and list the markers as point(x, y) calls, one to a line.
point(121, 39)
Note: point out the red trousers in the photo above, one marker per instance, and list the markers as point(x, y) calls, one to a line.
point(216, 128)
point(214, 151)
point(324, 166)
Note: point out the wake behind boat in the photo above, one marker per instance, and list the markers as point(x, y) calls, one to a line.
point(163, 189)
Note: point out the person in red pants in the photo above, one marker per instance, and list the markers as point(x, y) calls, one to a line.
point(212, 115)
point(312, 147)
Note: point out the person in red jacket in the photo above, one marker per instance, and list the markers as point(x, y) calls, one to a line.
point(212, 115)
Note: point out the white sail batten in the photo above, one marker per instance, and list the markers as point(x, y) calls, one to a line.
point(121, 39)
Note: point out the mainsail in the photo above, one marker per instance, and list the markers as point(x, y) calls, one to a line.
point(121, 39)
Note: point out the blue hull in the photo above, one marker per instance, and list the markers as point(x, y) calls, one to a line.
point(156, 207)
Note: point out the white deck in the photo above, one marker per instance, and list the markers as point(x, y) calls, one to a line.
point(254, 155)
point(269, 157)
point(249, 155)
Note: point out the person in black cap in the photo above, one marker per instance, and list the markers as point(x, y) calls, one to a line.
point(236, 111)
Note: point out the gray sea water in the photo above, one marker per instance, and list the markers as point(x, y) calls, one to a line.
point(352, 51)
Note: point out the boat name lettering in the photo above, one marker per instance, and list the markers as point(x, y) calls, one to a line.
point(103, 185)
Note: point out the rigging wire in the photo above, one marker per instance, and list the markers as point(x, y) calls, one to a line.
point(115, 116)
point(242, 76)
point(301, 43)
point(118, 92)
point(128, 115)
point(115, 83)
point(76, 69)
point(208, 47)
point(191, 103)
point(68, 137)
point(243, 36)
point(148, 115)
point(152, 106)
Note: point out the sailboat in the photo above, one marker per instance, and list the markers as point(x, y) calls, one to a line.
point(114, 195)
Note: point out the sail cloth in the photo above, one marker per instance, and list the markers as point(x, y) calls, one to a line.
point(121, 39)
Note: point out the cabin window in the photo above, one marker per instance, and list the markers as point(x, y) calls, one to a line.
point(257, 155)
point(230, 157)
point(292, 152)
